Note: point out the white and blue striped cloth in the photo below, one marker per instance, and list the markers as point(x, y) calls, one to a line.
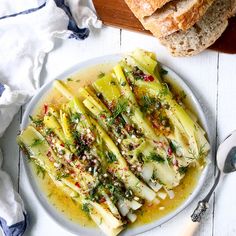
point(27, 32)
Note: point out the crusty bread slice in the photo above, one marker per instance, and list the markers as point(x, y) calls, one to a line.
point(175, 15)
point(204, 33)
point(142, 8)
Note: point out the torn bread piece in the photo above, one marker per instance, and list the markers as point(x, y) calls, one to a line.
point(175, 15)
point(204, 33)
point(142, 8)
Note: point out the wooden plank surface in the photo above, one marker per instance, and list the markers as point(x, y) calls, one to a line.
point(66, 54)
point(204, 85)
point(116, 13)
point(225, 205)
point(210, 75)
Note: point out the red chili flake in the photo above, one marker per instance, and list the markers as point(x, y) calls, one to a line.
point(51, 158)
point(175, 163)
point(155, 124)
point(170, 152)
point(102, 200)
point(126, 169)
point(77, 184)
point(102, 116)
point(148, 78)
point(49, 153)
point(45, 106)
point(159, 144)
point(62, 145)
point(111, 105)
point(128, 127)
point(78, 165)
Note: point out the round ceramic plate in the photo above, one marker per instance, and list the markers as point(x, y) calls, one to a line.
point(52, 211)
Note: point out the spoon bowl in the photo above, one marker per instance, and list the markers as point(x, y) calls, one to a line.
point(226, 154)
point(226, 163)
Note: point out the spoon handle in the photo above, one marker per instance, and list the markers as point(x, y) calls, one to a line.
point(201, 208)
point(190, 228)
point(217, 179)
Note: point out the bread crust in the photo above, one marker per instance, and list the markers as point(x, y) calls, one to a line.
point(174, 21)
point(204, 33)
point(142, 8)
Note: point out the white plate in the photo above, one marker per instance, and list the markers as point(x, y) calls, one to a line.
point(55, 214)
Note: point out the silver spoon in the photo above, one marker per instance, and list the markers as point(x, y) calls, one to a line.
point(226, 163)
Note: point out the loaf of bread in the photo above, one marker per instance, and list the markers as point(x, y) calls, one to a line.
point(164, 18)
point(185, 27)
point(142, 8)
point(204, 33)
point(176, 15)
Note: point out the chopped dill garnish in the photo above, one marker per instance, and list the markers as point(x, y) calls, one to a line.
point(62, 175)
point(183, 169)
point(75, 117)
point(173, 147)
point(73, 200)
point(156, 157)
point(37, 122)
point(164, 91)
point(50, 194)
point(101, 74)
point(146, 103)
point(36, 142)
point(85, 207)
point(40, 171)
point(120, 108)
point(163, 71)
point(111, 157)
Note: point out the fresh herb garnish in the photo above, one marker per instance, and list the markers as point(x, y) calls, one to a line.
point(37, 122)
point(50, 194)
point(156, 157)
point(48, 131)
point(164, 91)
point(69, 79)
point(111, 157)
point(113, 82)
point(183, 169)
point(146, 103)
point(120, 108)
point(163, 71)
point(82, 146)
point(116, 191)
point(173, 147)
point(62, 175)
point(85, 207)
point(102, 74)
point(75, 117)
point(73, 200)
point(40, 171)
point(36, 142)
point(182, 95)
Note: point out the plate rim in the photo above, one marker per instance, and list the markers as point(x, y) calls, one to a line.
point(58, 217)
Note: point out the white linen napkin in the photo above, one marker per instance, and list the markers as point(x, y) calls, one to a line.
point(80, 14)
point(25, 39)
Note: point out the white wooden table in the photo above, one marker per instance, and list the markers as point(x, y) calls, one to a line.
point(211, 75)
